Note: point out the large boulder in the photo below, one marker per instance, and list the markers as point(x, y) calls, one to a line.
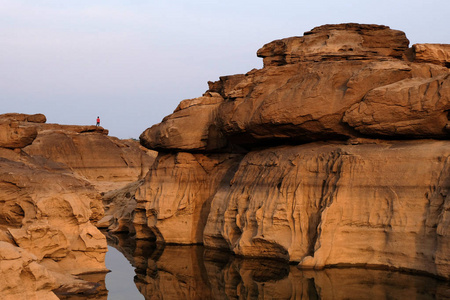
point(182, 131)
point(337, 42)
point(432, 53)
point(334, 83)
point(413, 107)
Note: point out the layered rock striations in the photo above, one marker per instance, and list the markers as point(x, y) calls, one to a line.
point(342, 155)
point(107, 162)
point(173, 202)
point(47, 217)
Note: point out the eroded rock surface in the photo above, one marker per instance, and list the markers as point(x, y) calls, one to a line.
point(47, 217)
point(107, 162)
point(18, 130)
point(345, 133)
point(182, 132)
point(368, 204)
point(173, 202)
point(335, 82)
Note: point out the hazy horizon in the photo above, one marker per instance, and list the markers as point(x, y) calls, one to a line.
point(132, 63)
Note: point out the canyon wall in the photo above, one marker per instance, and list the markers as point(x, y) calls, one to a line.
point(341, 156)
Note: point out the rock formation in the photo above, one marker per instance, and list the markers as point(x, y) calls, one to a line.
point(343, 137)
point(106, 162)
point(173, 202)
point(47, 218)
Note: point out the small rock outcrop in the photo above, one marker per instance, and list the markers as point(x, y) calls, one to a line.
point(342, 155)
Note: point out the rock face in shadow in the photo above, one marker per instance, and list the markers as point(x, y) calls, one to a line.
point(344, 137)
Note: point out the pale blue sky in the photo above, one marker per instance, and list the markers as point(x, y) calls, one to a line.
point(132, 61)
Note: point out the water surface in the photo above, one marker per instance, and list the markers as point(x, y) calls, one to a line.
point(193, 272)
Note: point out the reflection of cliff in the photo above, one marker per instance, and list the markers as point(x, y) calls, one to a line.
point(191, 272)
point(335, 153)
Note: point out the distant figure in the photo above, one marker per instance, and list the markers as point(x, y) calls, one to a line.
point(98, 121)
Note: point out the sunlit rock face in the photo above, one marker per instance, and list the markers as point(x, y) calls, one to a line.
point(107, 162)
point(50, 216)
point(182, 132)
point(18, 130)
point(173, 202)
point(47, 217)
point(325, 204)
point(344, 133)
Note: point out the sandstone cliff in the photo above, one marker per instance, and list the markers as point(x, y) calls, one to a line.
point(48, 210)
point(344, 138)
point(107, 162)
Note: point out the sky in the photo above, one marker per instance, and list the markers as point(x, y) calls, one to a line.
point(132, 61)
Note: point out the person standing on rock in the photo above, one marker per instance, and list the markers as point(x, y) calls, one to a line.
point(98, 121)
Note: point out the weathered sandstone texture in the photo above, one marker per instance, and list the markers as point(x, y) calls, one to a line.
point(47, 217)
point(120, 207)
point(336, 82)
point(344, 137)
point(173, 202)
point(323, 204)
point(18, 130)
point(107, 162)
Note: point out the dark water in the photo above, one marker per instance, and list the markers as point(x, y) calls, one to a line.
point(143, 270)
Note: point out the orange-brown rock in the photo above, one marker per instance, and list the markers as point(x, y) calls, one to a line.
point(337, 42)
point(332, 193)
point(36, 118)
point(334, 83)
point(107, 162)
point(325, 205)
point(432, 53)
point(49, 214)
point(183, 132)
point(414, 107)
point(119, 207)
point(173, 202)
point(22, 276)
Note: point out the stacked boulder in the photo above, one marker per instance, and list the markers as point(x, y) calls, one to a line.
point(335, 153)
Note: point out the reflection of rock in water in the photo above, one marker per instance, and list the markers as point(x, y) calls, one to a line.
point(193, 272)
point(98, 291)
